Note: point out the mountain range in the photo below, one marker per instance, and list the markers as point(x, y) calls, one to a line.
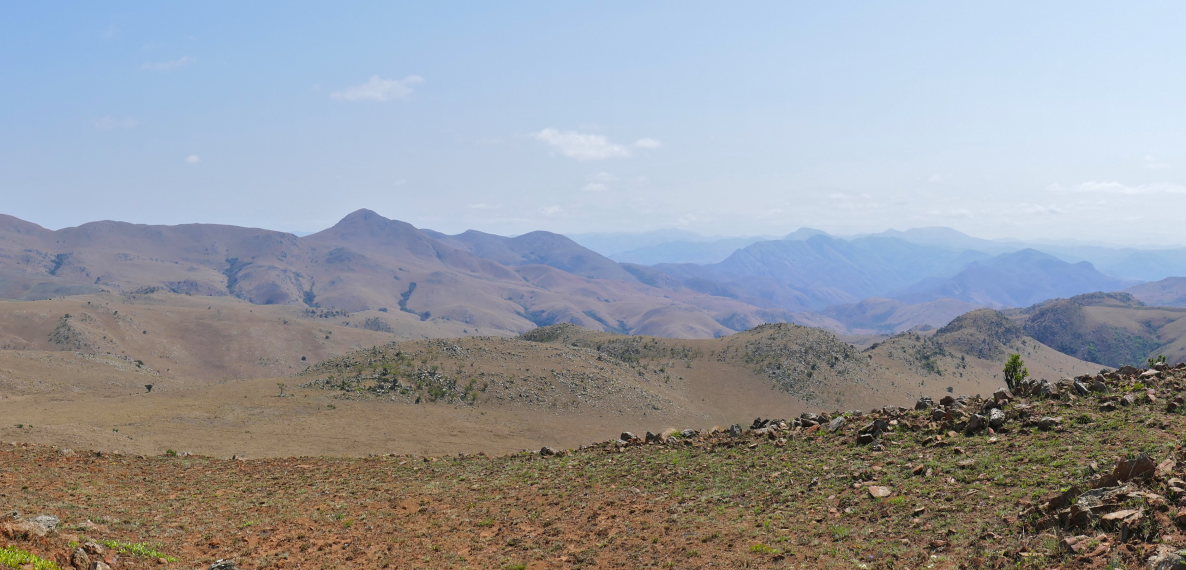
point(483, 283)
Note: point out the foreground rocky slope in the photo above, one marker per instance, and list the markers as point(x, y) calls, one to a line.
point(1075, 473)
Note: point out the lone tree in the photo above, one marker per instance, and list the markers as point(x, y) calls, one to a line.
point(1015, 371)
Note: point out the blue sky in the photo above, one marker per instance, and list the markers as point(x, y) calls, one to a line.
point(1052, 120)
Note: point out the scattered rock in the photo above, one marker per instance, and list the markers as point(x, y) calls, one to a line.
point(976, 423)
point(547, 451)
point(996, 418)
point(13, 526)
point(836, 423)
point(879, 492)
point(47, 522)
point(80, 559)
point(1049, 423)
point(1167, 558)
point(224, 565)
point(1140, 467)
point(1086, 546)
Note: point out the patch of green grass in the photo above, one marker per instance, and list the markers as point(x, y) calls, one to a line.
point(14, 557)
point(760, 548)
point(136, 549)
point(840, 532)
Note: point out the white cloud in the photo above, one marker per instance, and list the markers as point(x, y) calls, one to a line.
point(551, 211)
point(647, 143)
point(109, 123)
point(1151, 162)
point(169, 65)
point(193, 159)
point(378, 89)
point(482, 206)
point(595, 187)
point(1113, 187)
point(581, 146)
point(935, 178)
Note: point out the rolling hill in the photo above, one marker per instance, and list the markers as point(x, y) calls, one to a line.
point(1110, 328)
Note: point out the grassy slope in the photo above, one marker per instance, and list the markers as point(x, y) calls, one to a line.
point(189, 339)
point(801, 500)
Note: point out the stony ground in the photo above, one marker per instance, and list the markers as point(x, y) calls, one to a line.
point(1086, 474)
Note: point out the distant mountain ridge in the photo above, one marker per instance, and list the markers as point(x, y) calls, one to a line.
point(881, 283)
point(492, 284)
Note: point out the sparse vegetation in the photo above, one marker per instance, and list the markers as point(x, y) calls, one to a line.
point(14, 557)
point(137, 549)
point(1015, 371)
point(707, 497)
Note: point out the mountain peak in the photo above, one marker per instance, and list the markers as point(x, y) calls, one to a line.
point(361, 216)
point(803, 234)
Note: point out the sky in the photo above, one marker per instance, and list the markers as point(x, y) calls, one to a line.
point(1029, 120)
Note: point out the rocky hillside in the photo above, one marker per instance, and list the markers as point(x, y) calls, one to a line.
point(568, 367)
point(493, 371)
point(1080, 473)
point(1110, 328)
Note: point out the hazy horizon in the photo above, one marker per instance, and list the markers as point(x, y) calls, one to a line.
point(1057, 121)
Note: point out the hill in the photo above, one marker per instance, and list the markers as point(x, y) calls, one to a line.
point(884, 315)
point(1110, 328)
point(1082, 473)
point(780, 364)
point(185, 339)
point(247, 376)
point(1168, 292)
